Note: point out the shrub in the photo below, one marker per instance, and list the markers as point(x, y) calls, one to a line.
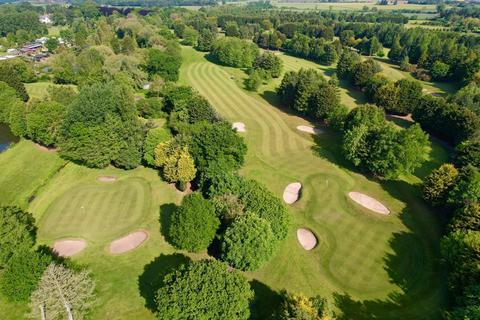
point(17, 232)
point(44, 122)
point(439, 70)
point(154, 137)
point(150, 108)
point(297, 306)
point(234, 52)
point(204, 290)
point(468, 153)
point(210, 144)
point(254, 80)
point(467, 218)
point(228, 207)
point(270, 63)
point(22, 273)
point(248, 243)
point(438, 184)
point(467, 187)
point(10, 77)
point(194, 224)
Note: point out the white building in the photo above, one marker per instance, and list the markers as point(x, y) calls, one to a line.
point(45, 19)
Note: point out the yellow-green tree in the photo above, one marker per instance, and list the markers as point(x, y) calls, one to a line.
point(179, 167)
point(162, 153)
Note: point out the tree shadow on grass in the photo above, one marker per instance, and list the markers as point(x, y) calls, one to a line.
point(153, 274)
point(265, 302)
point(166, 211)
point(413, 265)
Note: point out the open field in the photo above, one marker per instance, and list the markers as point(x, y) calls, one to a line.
point(382, 267)
point(38, 90)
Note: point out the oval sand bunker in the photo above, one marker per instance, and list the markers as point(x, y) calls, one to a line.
point(106, 179)
point(368, 202)
point(239, 126)
point(292, 192)
point(309, 129)
point(306, 238)
point(69, 247)
point(129, 242)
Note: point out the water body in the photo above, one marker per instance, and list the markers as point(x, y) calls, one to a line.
point(6, 137)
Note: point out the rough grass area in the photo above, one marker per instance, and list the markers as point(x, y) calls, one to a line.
point(374, 267)
point(38, 90)
point(24, 170)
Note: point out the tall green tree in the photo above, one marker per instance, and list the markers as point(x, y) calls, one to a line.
point(193, 225)
point(204, 289)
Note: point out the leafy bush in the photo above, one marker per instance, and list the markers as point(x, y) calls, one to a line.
point(467, 218)
point(154, 137)
point(22, 273)
point(44, 122)
point(193, 225)
point(438, 184)
point(467, 187)
point(204, 290)
point(248, 243)
point(270, 63)
point(297, 306)
point(234, 52)
point(17, 232)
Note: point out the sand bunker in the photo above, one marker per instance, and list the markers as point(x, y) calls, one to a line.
point(106, 179)
point(239, 126)
point(306, 238)
point(292, 192)
point(69, 247)
point(44, 148)
point(308, 129)
point(129, 242)
point(368, 202)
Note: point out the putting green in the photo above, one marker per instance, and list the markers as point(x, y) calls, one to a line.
point(387, 261)
point(97, 211)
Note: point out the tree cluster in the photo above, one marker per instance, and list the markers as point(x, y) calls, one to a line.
point(234, 52)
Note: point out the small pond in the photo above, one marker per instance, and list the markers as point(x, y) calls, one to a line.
point(6, 137)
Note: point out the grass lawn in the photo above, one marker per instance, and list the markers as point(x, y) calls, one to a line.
point(38, 90)
point(73, 203)
point(382, 267)
point(24, 170)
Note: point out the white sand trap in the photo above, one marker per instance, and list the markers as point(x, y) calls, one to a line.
point(306, 238)
point(239, 126)
point(368, 202)
point(69, 247)
point(129, 242)
point(309, 129)
point(106, 179)
point(292, 192)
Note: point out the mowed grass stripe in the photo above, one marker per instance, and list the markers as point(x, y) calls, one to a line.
point(262, 111)
point(226, 105)
point(97, 211)
point(288, 143)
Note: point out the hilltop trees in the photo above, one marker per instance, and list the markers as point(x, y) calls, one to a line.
point(204, 289)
